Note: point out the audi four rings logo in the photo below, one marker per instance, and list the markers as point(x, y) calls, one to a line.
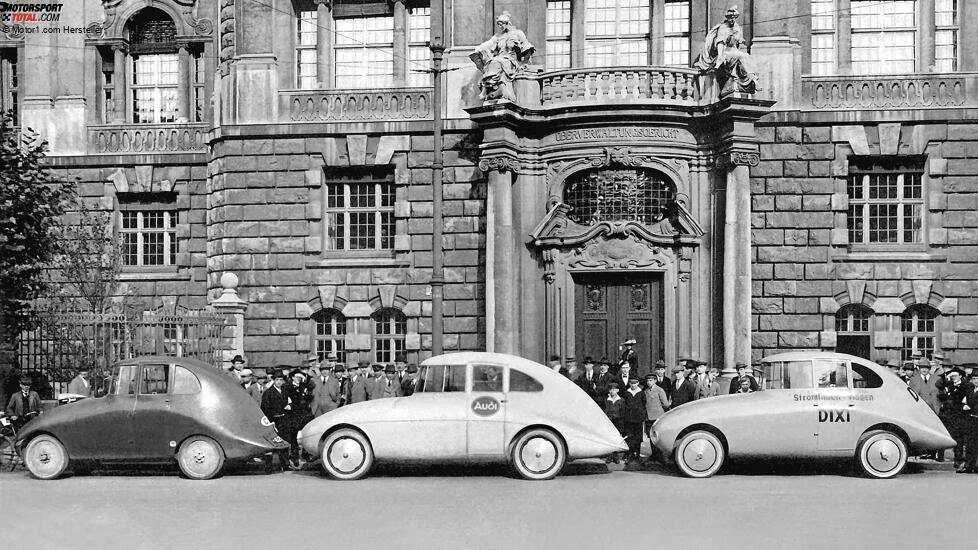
point(29, 13)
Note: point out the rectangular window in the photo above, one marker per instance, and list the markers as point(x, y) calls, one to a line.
point(885, 203)
point(419, 55)
point(330, 335)
point(149, 238)
point(558, 35)
point(9, 82)
point(364, 52)
point(823, 37)
point(675, 48)
point(306, 31)
point(359, 212)
point(946, 35)
point(616, 32)
point(919, 326)
point(199, 95)
point(155, 379)
point(883, 36)
point(390, 326)
point(154, 88)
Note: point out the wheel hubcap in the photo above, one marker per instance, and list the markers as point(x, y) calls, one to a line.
point(346, 455)
point(539, 454)
point(45, 457)
point(883, 455)
point(700, 455)
point(200, 458)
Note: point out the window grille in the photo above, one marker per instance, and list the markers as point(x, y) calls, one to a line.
point(946, 35)
point(919, 331)
point(306, 75)
point(390, 326)
point(419, 54)
point(675, 47)
point(883, 36)
point(359, 212)
point(823, 37)
point(885, 202)
point(853, 319)
point(618, 195)
point(149, 237)
point(330, 335)
point(558, 34)
point(616, 32)
point(364, 51)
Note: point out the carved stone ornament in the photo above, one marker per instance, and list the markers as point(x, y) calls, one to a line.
point(618, 155)
point(14, 31)
point(203, 26)
point(738, 158)
point(617, 254)
point(95, 29)
point(557, 230)
point(500, 163)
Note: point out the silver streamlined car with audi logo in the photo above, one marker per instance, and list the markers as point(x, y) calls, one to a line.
point(471, 407)
point(814, 404)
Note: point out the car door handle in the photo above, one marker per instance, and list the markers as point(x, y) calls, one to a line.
point(502, 400)
point(852, 404)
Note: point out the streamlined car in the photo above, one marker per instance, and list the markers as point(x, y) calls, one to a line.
point(813, 404)
point(468, 407)
point(152, 410)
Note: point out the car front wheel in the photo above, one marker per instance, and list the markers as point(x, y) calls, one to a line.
point(346, 454)
point(45, 457)
point(538, 455)
point(200, 457)
point(699, 454)
point(881, 454)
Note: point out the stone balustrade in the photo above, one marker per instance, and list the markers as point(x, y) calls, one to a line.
point(356, 105)
point(655, 85)
point(111, 139)
point(919, 91)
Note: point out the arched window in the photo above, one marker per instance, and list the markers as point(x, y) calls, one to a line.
point(919, 331)
point(330, 334)
point(636, 194)
point(155, 67)
point(852, 326)
point(390, 326)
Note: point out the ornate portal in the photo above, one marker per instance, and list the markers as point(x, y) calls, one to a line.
point(637, 195)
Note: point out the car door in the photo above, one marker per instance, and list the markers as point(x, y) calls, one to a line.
point(777, 420)
point(108, 433)
point(486, 411)
point(834, 405)
point(151, 416)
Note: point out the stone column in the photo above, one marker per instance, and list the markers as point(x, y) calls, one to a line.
point(233, 307)
point(118, 84)
point(400, 43)
point(926, 36)
point(843, 37)
point(737, 261)
point(577, 34)
point(324, 43)
point(183, 84)
point(500, 252)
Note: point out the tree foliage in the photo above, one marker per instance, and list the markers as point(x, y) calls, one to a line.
point(32, 201)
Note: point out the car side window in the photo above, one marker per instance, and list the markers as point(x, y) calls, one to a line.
point(787, 375)
point(520, 381)
point(184, 381)
point(831, 374)
point(455, 378)
point(122, 380)
point(155, 379)
point(431, 379)
point(487, 378)
point(863, 377)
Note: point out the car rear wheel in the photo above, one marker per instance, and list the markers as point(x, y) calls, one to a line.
point(45, 457)
point(346, 454)
point(881, 454)
point(699, 454)
point(538, 455)
point(200, 457)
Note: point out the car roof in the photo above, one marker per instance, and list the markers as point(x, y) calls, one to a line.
point(196, 366)
point(809, 355)
point(531, 367)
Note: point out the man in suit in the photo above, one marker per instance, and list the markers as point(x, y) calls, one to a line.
point(683, 390)
point(410, 380)
point(953, 398)
point(276, 404)
point(624, 372)
point(80, 384)
point(701, 379)
point(743, 374)
point(927, 386)
point(573, 371)
point(326, 392)
point(588, 381)
point(713, 385)
point(633, 417)
point(389, 385)
point(628, 355)
point(373, 382)
point(249, 385)
point(554, 364)
point(24, 404)
point(656, 405)
point(605, 378)
point(970, 425)
point(358, 383)
point(661, 379)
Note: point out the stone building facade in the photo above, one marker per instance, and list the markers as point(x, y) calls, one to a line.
point(622, 195)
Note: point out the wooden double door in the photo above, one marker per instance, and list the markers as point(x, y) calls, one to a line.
point(610, 309)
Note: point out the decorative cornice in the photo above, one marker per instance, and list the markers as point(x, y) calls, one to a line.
point(618, 155)
point(738, 158)
point(501, 163)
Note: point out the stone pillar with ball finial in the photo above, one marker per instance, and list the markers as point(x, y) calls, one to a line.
point(233, 308)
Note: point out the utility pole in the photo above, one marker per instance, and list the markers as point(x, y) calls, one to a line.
point(437, 46)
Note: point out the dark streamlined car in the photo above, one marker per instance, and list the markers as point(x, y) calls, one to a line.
point(152, 410)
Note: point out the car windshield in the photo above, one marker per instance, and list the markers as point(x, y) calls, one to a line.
point(785, 375)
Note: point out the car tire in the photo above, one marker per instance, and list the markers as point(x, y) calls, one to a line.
point(538, 455)
point(346, 455)
point(881, 454)
point(700, 454)
point(200, 457)
point(45, 457)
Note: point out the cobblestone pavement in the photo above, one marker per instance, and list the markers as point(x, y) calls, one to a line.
point(592, 505)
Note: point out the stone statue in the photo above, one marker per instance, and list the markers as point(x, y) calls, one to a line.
point(722, 53)
point(500, 58)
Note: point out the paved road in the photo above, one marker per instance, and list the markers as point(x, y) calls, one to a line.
point(591, 506)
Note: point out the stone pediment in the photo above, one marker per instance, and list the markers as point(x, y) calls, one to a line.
point(558, 230)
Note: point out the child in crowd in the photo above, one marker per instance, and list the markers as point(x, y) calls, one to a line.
point(613, 407)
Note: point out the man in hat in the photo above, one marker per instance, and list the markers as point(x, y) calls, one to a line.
point(953, 398)
point(656, 405)
point(312, 365)
point(573, 372)
point(928, 387)
point(683, 390)
point(249, 385)
point(389, 386)
point(276, 404)
point(937, 363)
point(80, 385)
point(373, 382)
point(613, 407)
point(742, 373)
point(701, 379)
point(554, 364)
point(712, 385)
point(605, 378)
point(907, 372)
point(633, 417)
point(228, 369)
point(588, 381)
point(358, 382)
point(969, 425)
point(661, 379)
point(326, 392)
point(24, 404)
point(628, 354)
point(410, 380)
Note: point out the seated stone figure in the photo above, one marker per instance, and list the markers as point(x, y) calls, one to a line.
point(722, 53)
point(499, 59)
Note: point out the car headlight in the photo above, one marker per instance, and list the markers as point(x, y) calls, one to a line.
point(265, 421)
point(655, 437)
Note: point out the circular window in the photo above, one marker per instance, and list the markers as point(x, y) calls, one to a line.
point(637, 195)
